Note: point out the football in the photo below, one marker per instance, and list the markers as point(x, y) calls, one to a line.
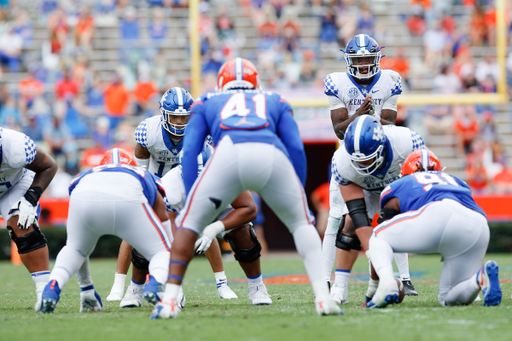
point(401, 290)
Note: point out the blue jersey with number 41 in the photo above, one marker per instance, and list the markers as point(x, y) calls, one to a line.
point(418, 189)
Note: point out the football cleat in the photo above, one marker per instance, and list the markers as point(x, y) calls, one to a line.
point(225, 291)
point(258, 295)
point(339, 294)
point(90, 300)
point(489, 283)
point(133, 298)
point(166, 309)
point(50, 297)
point(409, 288)
point(387, 293)
point(181, 298)
point(327, 306)
point(477, 299)
point(152, 290)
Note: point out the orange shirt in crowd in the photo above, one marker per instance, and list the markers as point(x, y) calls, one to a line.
point(116, 99)
point(85, 24)
point(30, 88)
point(144, 90)
point(503, 179)
point(66, 87)
point(467, 131)
point(476, 177)
point(423, 3)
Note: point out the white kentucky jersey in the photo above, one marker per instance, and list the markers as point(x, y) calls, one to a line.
point(17, 150)
point(151, 135)
point(400, 142)
point(344, 92)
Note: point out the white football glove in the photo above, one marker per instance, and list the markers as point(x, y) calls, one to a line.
point(27, 214)
point(209, 233)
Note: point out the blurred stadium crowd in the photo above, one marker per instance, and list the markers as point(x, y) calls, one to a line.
point(78, 76)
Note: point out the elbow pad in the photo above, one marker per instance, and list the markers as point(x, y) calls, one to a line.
point(144, 163)
point(357, 211)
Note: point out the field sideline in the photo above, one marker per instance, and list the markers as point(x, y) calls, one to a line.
point(291, 317)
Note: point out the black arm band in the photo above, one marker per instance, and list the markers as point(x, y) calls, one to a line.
point(357, 211)
point(33, 194)
point(387, 213)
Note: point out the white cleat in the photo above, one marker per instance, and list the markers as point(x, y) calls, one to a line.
point(387, 293)
point(339, 294)
point(477, 299)
point(258, 295)
point(181, 298)
point(90, 301)
point(327, 306)
point(225, 291)
point(166, 309)
point(133, 298)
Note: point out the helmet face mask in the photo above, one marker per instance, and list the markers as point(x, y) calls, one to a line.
point(175, 110)
point(365, 144)
point(363, 55)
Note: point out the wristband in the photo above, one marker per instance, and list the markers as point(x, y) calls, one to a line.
point(33, 194)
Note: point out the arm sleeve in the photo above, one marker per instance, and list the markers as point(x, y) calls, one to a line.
point(332, 92)
point(18, 149)
point(288, 131)
point(141, 136)
point(197, 130)
point(144, 163)
point(387, 193)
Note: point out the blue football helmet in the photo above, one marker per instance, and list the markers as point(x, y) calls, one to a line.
point(365, 141)
point(175, 102)
point(363, 55)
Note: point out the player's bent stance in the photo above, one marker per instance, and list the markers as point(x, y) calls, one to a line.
point(432, 212)
point(118, 199)
point(159, 146)
point(256, 137)
point(364, 89)
point(25, 172)
point(233, 224)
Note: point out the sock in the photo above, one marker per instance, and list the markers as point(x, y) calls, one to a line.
point(402, 262)
point(136, 286)
point(159, 266)
point(67, 264)
point(341, 278)
point(308, 244)
point(41, 278)
point(84, 275)
point(253, 281)
point(372, 287)
point(329, 246)
point(220, 277)
point(463, 293)
point(119, 279)
point(381, 256)
point(171, 291)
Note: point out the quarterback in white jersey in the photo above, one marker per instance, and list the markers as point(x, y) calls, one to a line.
point(369, 160)
point(159, 146)
point(25, 172)
point(364, 89)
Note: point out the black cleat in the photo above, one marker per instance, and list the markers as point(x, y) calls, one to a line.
point(409, 288)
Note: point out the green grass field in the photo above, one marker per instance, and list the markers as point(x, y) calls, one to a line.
point(291, 317)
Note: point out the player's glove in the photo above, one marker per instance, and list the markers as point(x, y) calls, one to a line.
point(372, 107)
point(27, 207)
point(209, 233)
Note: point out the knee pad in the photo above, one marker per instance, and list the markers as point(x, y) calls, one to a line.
point(138, 261)
point(246, 255)
point(347, 242)
point(30, 242)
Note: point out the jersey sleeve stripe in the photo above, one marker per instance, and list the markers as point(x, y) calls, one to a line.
point(400, 218)
point(157, 225)
point(383, 195)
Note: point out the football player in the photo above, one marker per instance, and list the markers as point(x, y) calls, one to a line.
point(363, 90)
point(119, 199)
point(369, 160)
point(25, 172)
point(429, 211)
point(234, 224)
point(159, 146)
point(258, 148)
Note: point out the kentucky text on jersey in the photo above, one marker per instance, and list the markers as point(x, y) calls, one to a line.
point(416, 190)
